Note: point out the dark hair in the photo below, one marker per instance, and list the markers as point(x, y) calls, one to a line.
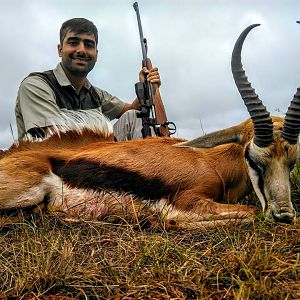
point(78, 26)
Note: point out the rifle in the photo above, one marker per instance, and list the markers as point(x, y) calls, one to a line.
point(152, 109)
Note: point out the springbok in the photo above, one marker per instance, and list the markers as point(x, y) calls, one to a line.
point(192, 183)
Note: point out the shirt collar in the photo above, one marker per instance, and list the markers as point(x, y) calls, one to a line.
point(62, 78)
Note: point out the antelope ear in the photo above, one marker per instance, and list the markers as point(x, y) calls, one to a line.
point(233, 134)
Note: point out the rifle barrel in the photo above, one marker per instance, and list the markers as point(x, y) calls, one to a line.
point(144, 52)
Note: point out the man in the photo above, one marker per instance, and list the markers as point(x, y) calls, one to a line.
point(49, 100)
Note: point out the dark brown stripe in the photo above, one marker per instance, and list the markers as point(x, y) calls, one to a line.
point(259, 172)
point(99, 176)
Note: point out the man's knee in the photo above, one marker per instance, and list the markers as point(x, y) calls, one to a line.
point(128, 127)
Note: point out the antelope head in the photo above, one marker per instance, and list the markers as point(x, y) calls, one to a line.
point(270, 143)
point(272, 151)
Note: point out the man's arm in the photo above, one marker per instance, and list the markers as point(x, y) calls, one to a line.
point(36, 106)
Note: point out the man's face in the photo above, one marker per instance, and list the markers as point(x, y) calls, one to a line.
point(78, 53)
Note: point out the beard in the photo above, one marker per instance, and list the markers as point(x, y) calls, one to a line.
point(77, 69)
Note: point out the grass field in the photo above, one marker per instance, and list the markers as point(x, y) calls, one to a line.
point(47, 257)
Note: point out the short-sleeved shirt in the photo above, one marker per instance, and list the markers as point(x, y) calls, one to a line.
point(36, 104)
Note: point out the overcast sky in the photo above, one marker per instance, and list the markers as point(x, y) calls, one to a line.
point(189, 40)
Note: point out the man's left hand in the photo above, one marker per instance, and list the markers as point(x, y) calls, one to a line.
point(151, 75)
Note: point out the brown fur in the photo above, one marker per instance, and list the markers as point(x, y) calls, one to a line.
point(88, 176)
point(197, 177)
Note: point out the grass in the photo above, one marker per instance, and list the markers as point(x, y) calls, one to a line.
point(44, 257)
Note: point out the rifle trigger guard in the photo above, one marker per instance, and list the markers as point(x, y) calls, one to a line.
point(172, 129)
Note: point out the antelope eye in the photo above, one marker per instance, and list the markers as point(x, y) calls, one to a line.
point(254, 163)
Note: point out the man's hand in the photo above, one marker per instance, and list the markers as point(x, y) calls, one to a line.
point(151, 75)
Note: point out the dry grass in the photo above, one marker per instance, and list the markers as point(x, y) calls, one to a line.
point(45, 257)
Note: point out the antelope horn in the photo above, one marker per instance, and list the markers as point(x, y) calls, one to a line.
point(291, 125)
point(263, 125)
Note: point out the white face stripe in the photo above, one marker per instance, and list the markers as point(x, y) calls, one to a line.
point(254, 179)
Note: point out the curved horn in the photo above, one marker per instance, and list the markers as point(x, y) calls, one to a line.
point(291, 125)
point(263, 125)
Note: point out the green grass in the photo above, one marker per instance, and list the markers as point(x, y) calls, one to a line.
point(44, 257)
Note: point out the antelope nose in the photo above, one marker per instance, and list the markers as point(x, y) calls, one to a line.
point(284, 215)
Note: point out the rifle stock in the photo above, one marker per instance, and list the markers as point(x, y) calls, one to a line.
point(160, 112)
